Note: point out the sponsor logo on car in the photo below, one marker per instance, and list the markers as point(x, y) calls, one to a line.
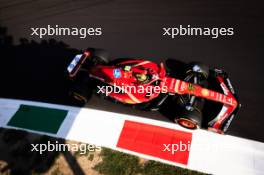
point(191, 87)
point(117, 73)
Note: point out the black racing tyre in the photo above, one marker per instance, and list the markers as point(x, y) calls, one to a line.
point(199, 69)
point(80, 91)
point(190, 119)
point(79, 97)
point(119, 60)
point(100, 56)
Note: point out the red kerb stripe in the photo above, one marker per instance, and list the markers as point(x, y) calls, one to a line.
point(151, 140)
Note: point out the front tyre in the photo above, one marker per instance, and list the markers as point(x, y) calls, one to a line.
point(190, 119)
point(199, 70)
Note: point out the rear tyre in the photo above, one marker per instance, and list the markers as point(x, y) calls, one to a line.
point(100, 56)
point(80, 91)
point(190, 119)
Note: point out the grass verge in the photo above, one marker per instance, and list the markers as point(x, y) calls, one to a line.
point(118, 163)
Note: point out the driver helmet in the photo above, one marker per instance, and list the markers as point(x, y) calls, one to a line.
point(127, 68)
point(141, 77)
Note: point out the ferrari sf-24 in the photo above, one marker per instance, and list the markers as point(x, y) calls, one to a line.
point(192, 94)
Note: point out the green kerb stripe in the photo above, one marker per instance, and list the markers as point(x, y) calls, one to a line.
point(38, 118)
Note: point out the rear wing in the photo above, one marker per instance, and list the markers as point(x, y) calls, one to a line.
point(76, 63)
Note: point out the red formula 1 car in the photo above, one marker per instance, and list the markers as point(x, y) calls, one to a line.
point(194, 97)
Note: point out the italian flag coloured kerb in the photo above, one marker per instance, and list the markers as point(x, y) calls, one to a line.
point(132, 136)
point(207, 152)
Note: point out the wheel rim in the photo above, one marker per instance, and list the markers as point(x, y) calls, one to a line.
point(187, 123)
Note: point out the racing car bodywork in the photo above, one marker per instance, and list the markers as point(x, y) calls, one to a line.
point(147, 85)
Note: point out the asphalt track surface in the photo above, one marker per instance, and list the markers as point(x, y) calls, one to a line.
point(33, 68)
